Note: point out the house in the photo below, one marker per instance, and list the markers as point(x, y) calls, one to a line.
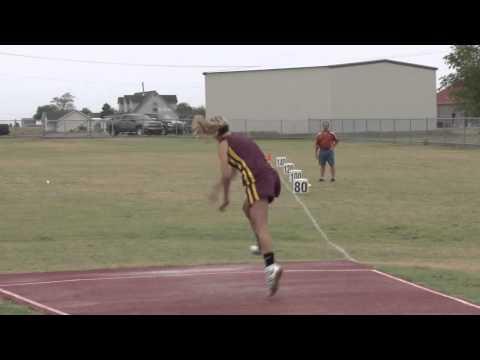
point(65, 121)
point(381, 90)
point(29, 122)
point(450, 109)
point(149, 103)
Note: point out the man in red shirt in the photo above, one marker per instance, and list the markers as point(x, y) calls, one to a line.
point(325, 143)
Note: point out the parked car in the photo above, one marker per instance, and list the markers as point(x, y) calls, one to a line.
point(128, 124)
point(155, 127)
point(175, 127)
point(4, 129)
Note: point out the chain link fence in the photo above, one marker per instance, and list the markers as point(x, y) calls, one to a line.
point(102, 128)
point(454, 131)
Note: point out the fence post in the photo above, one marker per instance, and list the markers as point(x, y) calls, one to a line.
point(444, 132)
point(411, 134)
point(394, 131)
point(380, 129)
point(426, 130)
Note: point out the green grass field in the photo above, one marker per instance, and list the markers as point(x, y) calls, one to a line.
point(9, 308)
point(411, 210)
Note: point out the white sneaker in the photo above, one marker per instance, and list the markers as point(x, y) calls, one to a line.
point(255, 250)
point(273, 274)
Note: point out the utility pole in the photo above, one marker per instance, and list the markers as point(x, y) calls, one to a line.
point(143, 89)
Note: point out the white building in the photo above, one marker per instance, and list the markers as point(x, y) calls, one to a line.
point(383, 89)
point(65, 121)
point(149, 103)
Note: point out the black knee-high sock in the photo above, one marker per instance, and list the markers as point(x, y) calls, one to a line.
point(269, 259)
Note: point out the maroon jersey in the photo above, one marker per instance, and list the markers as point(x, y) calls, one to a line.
point(259, 177)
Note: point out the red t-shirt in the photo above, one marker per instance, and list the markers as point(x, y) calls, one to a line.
point(326, 140)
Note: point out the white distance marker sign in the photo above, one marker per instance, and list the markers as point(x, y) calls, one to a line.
point(300, 186)
point(295, 174)
point(280, 161)
point(287, 167)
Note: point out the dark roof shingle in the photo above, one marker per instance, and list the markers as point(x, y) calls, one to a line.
point(139, 97)
point(55, 115)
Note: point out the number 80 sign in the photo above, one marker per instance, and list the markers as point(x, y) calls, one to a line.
point(300, 186)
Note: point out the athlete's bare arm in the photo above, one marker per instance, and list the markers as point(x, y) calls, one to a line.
point(227, 175)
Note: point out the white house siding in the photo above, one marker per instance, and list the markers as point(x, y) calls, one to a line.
point(163, 110)
point(448, 110)
point(369, 91)
point(71, 122)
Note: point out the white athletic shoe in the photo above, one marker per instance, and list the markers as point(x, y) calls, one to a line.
point(273, 274)
point(255, 250)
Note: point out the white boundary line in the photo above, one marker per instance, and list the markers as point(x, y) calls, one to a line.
point(344, 252)
point(173, 274)
point(315, 223)
point(427, 289)
point(31, 302)
point(58, 312)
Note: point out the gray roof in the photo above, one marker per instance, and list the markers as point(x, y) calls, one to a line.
point(331, 66)
point(55, 115)
point(139, 97)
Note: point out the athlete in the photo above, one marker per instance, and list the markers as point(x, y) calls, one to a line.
point(240, 154)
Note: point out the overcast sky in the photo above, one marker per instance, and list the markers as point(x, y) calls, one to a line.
point(30, 82)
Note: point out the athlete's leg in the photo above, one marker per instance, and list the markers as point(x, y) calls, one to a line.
point(246, 211)
point(258, 213)
point(273, 271)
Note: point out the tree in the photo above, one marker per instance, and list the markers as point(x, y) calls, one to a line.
point(199, 110)
point(107, 110)
point(86, 111)
point(64, 102)
point(184, 111)
point(45, 108)
point(465, 61)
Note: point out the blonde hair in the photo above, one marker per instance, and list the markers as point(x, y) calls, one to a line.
point(204, 127)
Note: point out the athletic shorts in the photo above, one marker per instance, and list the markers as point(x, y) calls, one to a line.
point(326, 156)
point(267, 187)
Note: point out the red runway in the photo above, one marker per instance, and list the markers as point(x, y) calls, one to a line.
point(338, 287)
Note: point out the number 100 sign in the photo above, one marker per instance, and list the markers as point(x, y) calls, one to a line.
point(295, 174)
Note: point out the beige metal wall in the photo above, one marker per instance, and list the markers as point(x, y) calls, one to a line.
point(381, 90)
point(268, 95)
point(384, 90)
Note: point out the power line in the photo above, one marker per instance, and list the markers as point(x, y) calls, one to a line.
point(122, 63)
